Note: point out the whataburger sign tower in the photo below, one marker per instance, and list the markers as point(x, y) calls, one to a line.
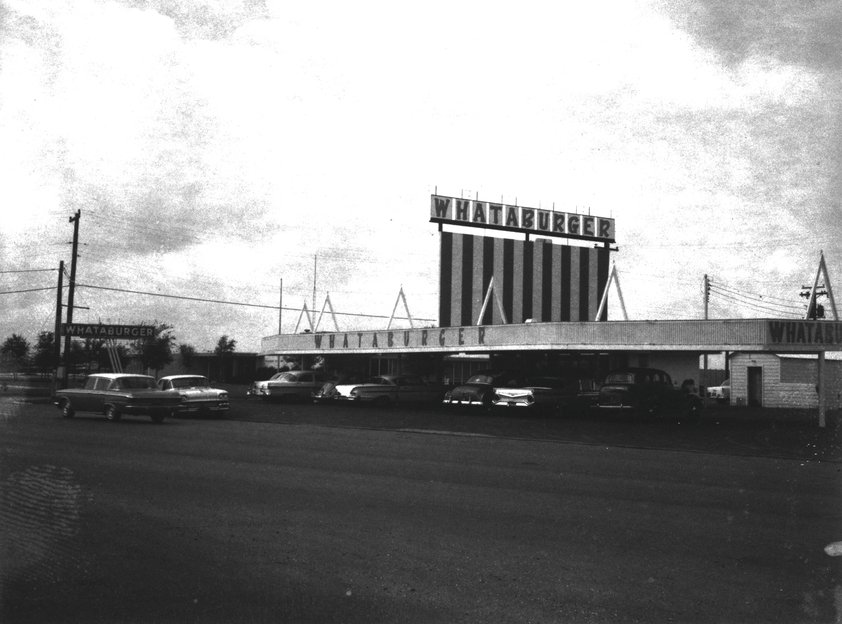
point(490, 215)
point(531, 276)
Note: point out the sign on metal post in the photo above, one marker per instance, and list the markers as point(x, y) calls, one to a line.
point(114, 332)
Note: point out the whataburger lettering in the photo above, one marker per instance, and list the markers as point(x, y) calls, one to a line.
point(441, 337)
point(87, 330)
point(520, 219)
point(805, 332)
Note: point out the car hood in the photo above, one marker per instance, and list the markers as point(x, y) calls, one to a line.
point(470, 390)
point(616, 388)
point(200, 393)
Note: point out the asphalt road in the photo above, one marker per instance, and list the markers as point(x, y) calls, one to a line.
point(314, 514)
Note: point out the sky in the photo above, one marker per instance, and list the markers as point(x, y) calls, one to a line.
point(258, 152)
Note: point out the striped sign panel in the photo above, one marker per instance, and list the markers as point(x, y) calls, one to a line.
point(533, 279)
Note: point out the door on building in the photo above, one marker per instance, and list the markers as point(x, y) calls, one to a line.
point(755, 386)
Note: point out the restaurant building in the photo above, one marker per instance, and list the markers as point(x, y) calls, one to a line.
point(527, 288)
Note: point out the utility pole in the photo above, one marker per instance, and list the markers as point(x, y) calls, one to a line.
point(67, 339)
point(707, 304)
point(57, 333)
point(315, 265)
point(280, 313)
point(280, 305)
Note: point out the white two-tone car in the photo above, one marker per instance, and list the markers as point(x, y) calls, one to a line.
point(387, 389)
point(197, 394)
point(722, 392)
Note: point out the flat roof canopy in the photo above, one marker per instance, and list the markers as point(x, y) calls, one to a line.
point(773, 335)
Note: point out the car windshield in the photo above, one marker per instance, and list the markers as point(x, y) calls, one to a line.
point(624, 378)
point(190, 382)
point(498, 379)
point(286, 377)
point(134, 383)
point(482, 378)
point(544, 382)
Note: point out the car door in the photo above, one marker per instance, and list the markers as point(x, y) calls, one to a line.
point(668, 396)
point(84, 398)
point(307, 385)
point(413, 388)
point(100, 394)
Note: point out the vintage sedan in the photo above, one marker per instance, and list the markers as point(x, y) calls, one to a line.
point(327, 392)
point(287, 385)
point(646, 391)
point(387, 389)
point(197, 394)
point(549, 394)
point(118, 394)
point(722, 392)
point(478, 390)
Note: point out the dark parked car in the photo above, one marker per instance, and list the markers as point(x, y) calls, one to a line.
point(646, 391)
point(478, 390)
point(116, 394)
point(562, 395)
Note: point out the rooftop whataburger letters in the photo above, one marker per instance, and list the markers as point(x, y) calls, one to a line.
point(490, 215)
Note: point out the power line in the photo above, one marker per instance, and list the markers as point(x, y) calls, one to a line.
point(15, 292)
point(235, 303)
point(741, 292)
point(753, 303)
point(29, 271)
point(767, 305)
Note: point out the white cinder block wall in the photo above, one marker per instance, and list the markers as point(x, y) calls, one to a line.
point(798, 391)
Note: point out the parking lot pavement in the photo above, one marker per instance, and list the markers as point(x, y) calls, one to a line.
point(740, 431)
point(791, 434)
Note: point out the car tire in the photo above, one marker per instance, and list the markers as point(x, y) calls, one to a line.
point(694, 411)
point(653, 408)
point(111, 414)
point(381, 401)
point(67, 410)
point(158, 417)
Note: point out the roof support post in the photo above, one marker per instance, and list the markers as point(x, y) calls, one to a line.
point(615, 277)
point(304, 311)
point(820, 388)
point(487, 299)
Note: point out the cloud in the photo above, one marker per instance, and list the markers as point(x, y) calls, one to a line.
point(789, 31)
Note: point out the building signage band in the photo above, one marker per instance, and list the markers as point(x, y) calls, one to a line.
point(97, 330)
point(484, 214)
point(805, 333)
point(780, 333)
point(433, 337)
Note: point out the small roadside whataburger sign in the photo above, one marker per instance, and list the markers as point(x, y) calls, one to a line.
point(115, 332)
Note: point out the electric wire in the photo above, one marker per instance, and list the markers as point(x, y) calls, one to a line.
point(758, 305)
point(756, 295)
point(753, 299)
point(753, 304)
point(234, 303)
point(28, 290)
